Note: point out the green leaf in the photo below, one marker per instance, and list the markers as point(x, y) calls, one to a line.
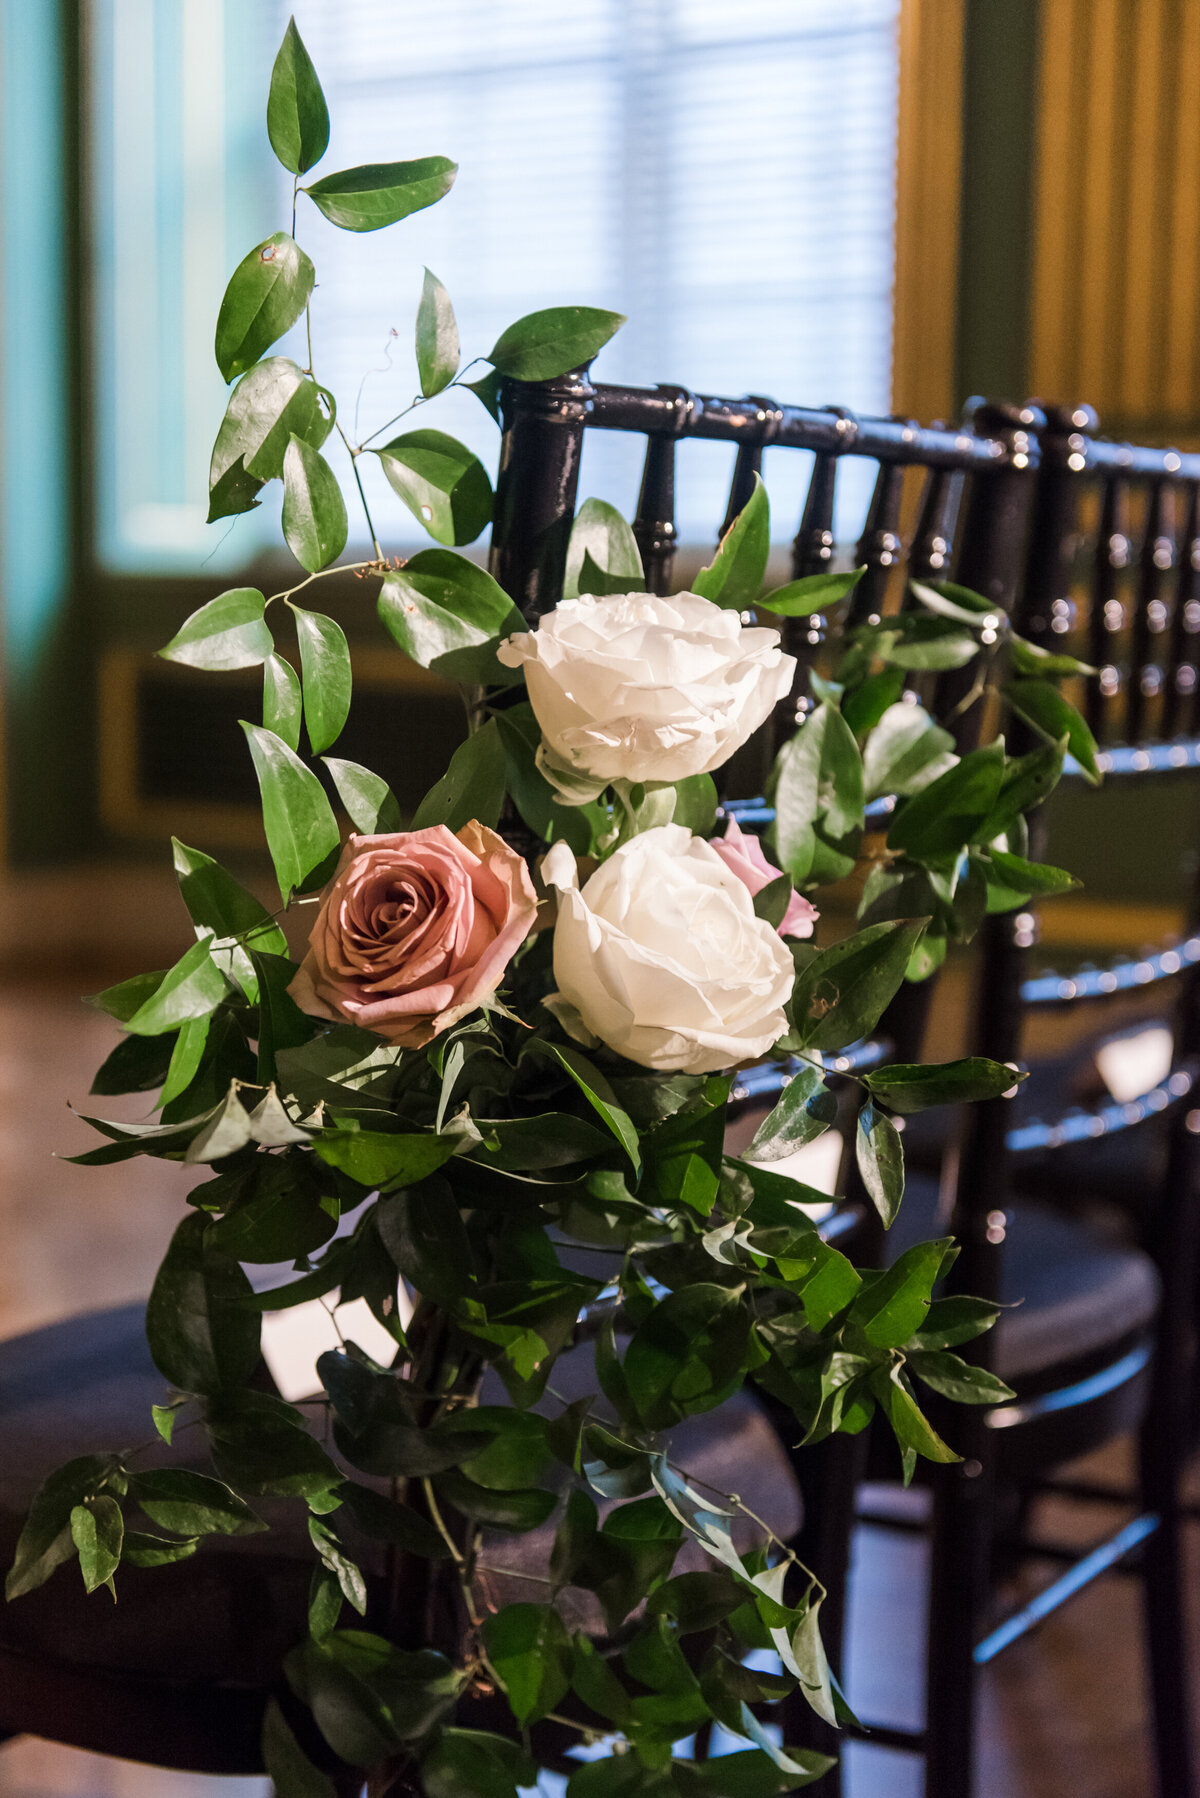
point(696, 1600)
point(98, 1529)
point(487, 392)
point(599, 531)
point(386, 1521)
point(687, 1353)
point(314, 512)
point(325, 663)
point(864, 705)
point(302, 832)
point(297, 116)
point(696, 803)
point(519, 1511)
point(734, 577)
point(473, 785)
point(1031, 658)
point(229, 632)
point(141, 1549)
point(283, 701)
point(923, 643)
point(1041, 705)
point(186, 1057)
point(805, 1110)
point(272, 402)
point(955, 1320)
point(905, 752)
point(913, 1430)
point(368, 1697)
point(957, 1379)
point(267, 293)
point(771, 902)
point(531, 1651)
point(442, 483)
point(818, 794)
point(138, 1064)
point(278, 1215)
point(377, 1158)
point(959, 603)
point(908, 1088)
point(815, 593)
point(380, 193)
point(892, 1306)
point(46, 1540)
point(841, 993)
point(281, 1023)
point(348, 1574)
point(222, 909)
point(1011, 880)
point(192, 1504)
point(372, 806)
point(201, 1334)
point(448, 615)
point(543, 345)
point(292, 1773)
point(193, 988)
point(127, 997)
point(470, 1763)
point(880, 1155)
point(437, 338)
point(1028, 782)
point(946, 815)
point(597, 1092)
point(233, 493)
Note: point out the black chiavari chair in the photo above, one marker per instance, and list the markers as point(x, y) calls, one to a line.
point(1103, 1344)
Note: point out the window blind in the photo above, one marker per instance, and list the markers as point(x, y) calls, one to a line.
point(723, 175)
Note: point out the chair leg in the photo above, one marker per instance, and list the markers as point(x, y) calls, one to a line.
point(959, 1582)
point(1163, 1592)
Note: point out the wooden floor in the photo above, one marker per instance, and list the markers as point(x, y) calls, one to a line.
point(1063, 1712)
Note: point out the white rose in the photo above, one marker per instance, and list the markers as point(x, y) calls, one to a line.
point(636, 688)
point(661, 956)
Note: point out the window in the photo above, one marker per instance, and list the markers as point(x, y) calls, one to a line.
point(723, 175)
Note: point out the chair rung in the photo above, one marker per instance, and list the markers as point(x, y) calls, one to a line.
point(1084, 1571)
point(1087, 1491)
point(887, 1735)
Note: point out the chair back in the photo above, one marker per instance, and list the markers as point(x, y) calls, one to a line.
point(1112, 576)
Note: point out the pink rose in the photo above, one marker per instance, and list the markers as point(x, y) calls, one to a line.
point(744, 857)
point(414, 930)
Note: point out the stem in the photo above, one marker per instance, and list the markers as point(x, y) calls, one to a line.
point(320, 575)
point(354, 455)
point(295, 193)
point(421, 400)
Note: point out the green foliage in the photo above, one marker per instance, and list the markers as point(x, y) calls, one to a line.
point(602, 554)
point(273, 402)
point(302, 833)
point(443, 484)
point(543, 345)
point(448, 615)
point(369, 801)
point(267, 293)
point(297, 116)
point(437, 338)
point(734, 577)
point(228, 632)
point(314, 512)
point(381, 193)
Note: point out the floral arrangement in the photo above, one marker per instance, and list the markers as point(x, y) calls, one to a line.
point(506, 1055)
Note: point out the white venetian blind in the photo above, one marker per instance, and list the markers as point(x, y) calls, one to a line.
point(723, 174)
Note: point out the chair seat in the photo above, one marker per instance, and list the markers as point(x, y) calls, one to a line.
point(195, 1647)
point(1075, 1292)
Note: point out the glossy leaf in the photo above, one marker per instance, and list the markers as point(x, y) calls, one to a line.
point(1031, 658)
point(1011, 880)
point(952, 1321)
point(297, 116)
point(380, 193)
point(283, 701)
point(127, 997)
point(734, 577)
point(193, 988)
point(437, 338)
point(314, 512)
point(805, 1110)
point(267, 293)
point(905, 752)
point(278, 1216)
point(201, 1335)
point(372, 806)
point(221, 909)
point(894, 1305)
point(378, 1158)
point(946, 815)
point(192, 1504)
point(302, 832)
point(46, 1541)
point(601, 533)
point(1028, 782)
point(325, 665)
point(442, 483)
point(915, 1088)
point(818, 795)
point(913, 1430)
point(948, 600)
point(233, 493)
point(291, 1772)
point(841, 994)
point(813, 593)
point(597, 1092)
point(1041, 704)
point(229, 632)
point(186, 1057)
point(472, 1763)
point(272, 403)
point(448, 614)
point(531, 1651)
point(543, 345)
point(925, 644)
point(880, 1154)
point(472, 786)
point(487, 392)
point(957, 1379)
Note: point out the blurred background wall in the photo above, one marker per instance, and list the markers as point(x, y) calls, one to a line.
point(887, 204)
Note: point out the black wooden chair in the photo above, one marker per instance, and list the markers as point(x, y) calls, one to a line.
point(1103, 1343)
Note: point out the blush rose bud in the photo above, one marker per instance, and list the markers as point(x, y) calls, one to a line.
point(745, 856)
point(661, 956)
point(414, 930)
point(636, 688)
